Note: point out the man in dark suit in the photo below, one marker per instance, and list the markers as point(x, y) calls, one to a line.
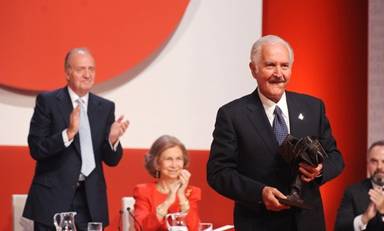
point(362, 206)
point(244, 163)
point(72, 132)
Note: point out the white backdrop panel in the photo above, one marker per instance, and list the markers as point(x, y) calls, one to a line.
point(179, 89)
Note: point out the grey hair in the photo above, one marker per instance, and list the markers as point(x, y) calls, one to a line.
point(256, 47)
point(70, 53)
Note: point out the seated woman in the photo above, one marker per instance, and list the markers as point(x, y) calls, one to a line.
point(170, 193)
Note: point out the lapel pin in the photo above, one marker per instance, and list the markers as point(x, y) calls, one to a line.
point(301, 117)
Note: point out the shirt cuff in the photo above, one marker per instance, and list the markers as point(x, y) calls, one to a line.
point(67, 142)
point(114, 147)
point(358, 224)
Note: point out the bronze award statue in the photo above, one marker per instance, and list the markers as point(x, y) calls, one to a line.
point(294, 151)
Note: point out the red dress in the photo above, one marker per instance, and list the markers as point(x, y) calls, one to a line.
point(148, 198)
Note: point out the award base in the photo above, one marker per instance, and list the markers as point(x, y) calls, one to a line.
point(294, 201)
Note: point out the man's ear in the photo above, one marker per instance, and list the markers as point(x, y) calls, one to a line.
point(254, 69)
point(67, 75)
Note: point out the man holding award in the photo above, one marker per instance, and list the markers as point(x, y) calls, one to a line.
point(273, 149)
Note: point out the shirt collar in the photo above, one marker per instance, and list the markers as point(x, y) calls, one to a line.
point(269, 105)
point(74, 97)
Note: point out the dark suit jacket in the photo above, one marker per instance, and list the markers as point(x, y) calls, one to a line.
point(355, 201)
point(58, 167)
point(244, 158)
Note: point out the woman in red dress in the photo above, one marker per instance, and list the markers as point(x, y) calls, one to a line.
point(170, 193)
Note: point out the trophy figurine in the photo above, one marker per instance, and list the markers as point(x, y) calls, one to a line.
point(294, 151)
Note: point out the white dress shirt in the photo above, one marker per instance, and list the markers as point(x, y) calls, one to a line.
point(269, 108)
point(74, 97)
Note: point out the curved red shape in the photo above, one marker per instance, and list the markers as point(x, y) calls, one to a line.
point(37, 34)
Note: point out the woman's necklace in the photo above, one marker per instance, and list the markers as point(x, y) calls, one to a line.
point(161, 189)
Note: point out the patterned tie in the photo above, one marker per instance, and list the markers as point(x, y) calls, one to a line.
point(279, 127)
point(86, 148)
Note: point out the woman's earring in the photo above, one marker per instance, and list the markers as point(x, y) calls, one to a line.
point(157, 174)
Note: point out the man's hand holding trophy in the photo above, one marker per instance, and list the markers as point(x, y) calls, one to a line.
point(294, 151)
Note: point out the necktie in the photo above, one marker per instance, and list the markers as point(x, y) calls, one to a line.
point(279, 126)
point(86, 148)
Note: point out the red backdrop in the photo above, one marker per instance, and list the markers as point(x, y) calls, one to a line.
point(120, 34)
point(330, 43)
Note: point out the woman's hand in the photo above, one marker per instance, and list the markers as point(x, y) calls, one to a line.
point(172, 190)
point(184, 177)
point(162, 209)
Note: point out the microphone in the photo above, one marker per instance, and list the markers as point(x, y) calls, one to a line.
point(134, 219)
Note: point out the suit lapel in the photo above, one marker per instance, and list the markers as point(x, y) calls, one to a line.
point(296, 115)
point(94, 106)
point(65, 104)
point(259, 120)
point(364, 200)
point(66, 107)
